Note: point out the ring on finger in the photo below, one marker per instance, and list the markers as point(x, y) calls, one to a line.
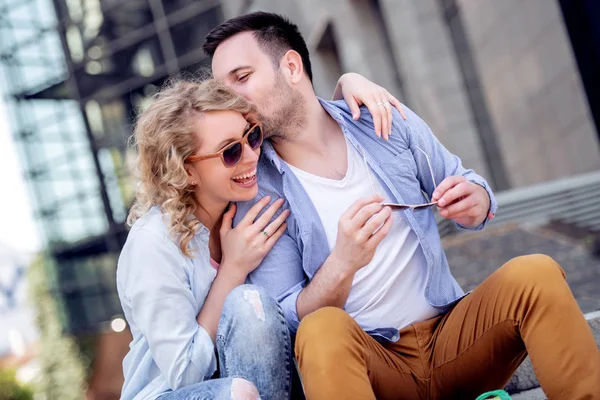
point(383, 103)
point(265, 233)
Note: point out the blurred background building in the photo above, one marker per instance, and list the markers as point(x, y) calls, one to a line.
point(512, 87)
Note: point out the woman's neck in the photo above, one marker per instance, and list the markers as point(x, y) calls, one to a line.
point(210, 214)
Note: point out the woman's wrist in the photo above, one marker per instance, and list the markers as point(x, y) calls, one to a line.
point(232, 272)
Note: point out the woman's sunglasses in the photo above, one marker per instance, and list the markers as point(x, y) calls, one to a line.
point(234, 151)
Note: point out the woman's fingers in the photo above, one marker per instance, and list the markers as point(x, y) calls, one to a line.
point(253, 212)
point(275, 237)
point(264, 219)
point(226, 224)
point(396, 103)
point(273, 226)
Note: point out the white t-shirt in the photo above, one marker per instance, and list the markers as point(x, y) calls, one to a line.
point(390, 290)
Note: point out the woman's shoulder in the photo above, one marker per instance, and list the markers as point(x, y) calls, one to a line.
point(150, 235)
point(149, 239)
point(154, 221)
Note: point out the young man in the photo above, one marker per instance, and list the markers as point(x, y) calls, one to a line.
point(367, 288)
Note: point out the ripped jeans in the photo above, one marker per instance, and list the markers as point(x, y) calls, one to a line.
point(254, 351)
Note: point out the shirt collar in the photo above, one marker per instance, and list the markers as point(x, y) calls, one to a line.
point(334, 109)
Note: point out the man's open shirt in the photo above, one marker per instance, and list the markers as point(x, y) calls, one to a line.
point(401, 167)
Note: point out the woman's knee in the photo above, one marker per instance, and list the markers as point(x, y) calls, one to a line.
point(242, 389)
point(251, 302)
point(251, 315)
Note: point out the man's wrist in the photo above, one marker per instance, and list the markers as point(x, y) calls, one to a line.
point(339, 268)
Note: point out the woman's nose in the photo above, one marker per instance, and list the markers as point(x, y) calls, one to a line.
point(250, 154)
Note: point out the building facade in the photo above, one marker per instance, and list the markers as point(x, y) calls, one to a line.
point(505, 85)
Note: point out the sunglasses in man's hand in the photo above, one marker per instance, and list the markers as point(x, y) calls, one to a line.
point(414, 207)
point(401, 207)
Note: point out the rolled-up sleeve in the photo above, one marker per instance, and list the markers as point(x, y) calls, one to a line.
point(443, 163)
point(164, 309)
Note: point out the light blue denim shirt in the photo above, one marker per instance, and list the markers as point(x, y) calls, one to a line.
point(401, 165)
point(161, 292)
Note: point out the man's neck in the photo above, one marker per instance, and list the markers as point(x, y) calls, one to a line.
point(312, 142)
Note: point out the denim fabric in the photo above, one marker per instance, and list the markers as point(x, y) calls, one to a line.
point(253, 343)
point(404, 166)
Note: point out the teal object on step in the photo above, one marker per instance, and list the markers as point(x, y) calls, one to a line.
point(494, 395)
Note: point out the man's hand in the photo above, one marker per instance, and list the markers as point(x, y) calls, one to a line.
point(360, 230)
point(463, 201)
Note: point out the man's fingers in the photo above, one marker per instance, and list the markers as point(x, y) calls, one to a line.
point(468, 213)
point(364, 214)
point(378, 236)
point(458, 207)
point(374, 223)
point(445, 185)
point(455, 193)
point(360, 203)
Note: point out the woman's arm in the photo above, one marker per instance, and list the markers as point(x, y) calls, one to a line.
point(243, 249)
point(357, 90)
point(155, 278)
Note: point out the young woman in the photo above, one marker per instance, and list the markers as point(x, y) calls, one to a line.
point(198, 331)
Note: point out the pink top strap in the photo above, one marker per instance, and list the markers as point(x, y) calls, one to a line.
point(214, 264)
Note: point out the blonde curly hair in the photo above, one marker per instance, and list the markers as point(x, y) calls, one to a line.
point(165, 136)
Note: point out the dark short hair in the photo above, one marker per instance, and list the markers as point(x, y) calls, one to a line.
point(274, 33)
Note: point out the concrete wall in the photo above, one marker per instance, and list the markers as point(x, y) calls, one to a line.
point(533, 88)
point(522, 56)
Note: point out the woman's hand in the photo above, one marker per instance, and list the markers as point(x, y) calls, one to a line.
point(245, 246)
point(357, 90)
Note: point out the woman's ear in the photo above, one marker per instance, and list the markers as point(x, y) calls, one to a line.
point(190, 175)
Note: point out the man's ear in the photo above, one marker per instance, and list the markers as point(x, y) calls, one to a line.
point(292, 66)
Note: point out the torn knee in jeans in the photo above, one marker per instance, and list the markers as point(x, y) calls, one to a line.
point(253, 297)
point(242, 389)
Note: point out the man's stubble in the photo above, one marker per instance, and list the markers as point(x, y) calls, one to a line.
point(287, 111)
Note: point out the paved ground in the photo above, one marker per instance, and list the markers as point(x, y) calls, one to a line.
point(474, 256)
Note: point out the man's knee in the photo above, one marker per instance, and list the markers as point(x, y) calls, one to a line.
point(323, 332)
point(323, 322)
point(537, 269)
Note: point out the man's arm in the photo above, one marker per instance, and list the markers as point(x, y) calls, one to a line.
point(361, 228)
point(464, 196)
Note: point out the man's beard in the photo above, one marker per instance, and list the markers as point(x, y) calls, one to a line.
point(288, 111)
